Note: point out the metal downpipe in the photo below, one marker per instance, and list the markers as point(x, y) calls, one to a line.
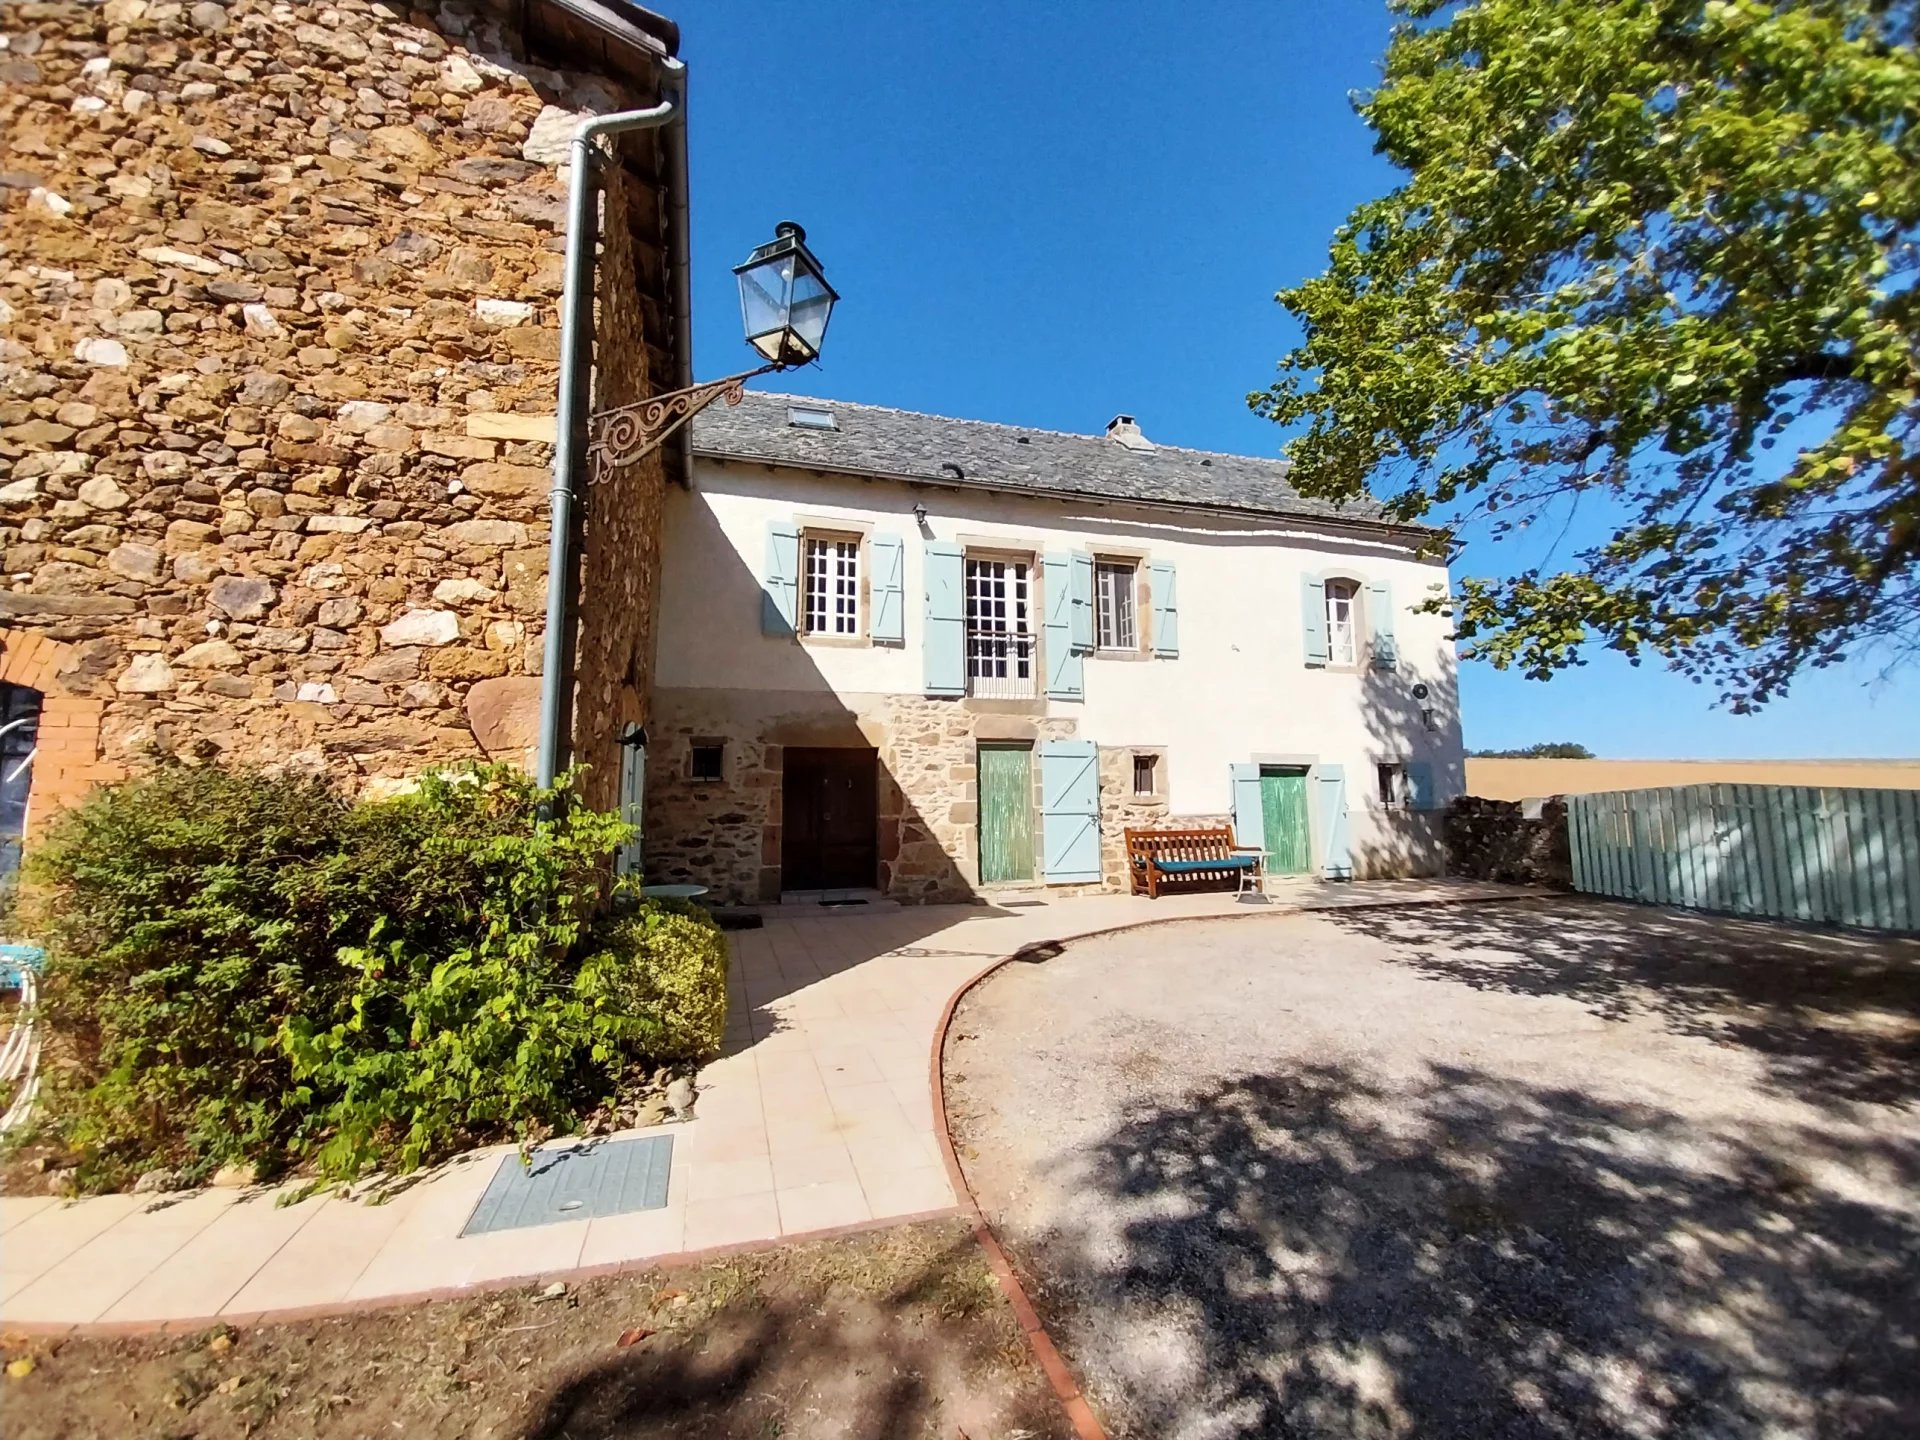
point(680, 252)
point(570, 425)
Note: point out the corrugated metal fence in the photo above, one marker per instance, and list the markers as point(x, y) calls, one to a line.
point(1784, 852)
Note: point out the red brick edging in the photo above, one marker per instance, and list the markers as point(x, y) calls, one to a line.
point(1086, 1424)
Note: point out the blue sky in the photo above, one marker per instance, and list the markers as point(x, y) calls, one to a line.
point(1045, 214)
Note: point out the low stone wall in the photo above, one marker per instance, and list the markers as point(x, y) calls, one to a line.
point(1499, 840)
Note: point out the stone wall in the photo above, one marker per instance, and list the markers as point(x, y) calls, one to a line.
point(619, 583)
point(1500, 840)
point(278, 325)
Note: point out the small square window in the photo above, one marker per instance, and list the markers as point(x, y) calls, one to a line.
point(1392, 782)
point(810, 417)
point(709, 760)
point(1146, 775)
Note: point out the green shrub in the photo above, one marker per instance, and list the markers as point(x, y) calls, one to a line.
point(244, 967)
point(180, 937)
point(662, 971)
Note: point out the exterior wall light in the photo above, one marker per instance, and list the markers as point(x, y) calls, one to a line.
point(785, 300)
point(785, 303)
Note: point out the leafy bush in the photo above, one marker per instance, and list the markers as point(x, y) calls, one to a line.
point(246, 967)
point(664, 968)
point(181, 934)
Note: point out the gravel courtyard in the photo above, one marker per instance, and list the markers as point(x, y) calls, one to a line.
point(1549, 1168)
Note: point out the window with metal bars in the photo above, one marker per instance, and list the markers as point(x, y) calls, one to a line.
point(832, 585)
point(1000, 644)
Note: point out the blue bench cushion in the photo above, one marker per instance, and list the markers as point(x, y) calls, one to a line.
point(1189, 867)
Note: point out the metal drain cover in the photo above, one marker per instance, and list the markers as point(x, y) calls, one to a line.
point(575, 1181)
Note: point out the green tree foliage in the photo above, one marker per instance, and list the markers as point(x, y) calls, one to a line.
point(1547, 750)
point(245, 967)
point(1640, 245)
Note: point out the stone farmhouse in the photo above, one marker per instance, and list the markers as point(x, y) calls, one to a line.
point(931, 656)
point(279, 343)
point(279, 351)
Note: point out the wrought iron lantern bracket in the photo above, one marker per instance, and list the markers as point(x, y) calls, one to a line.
point(626, 434)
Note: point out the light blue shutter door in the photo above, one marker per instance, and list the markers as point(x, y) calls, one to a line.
point(1080, 622)
point(633, 793)
point(1336, 858)
point(889, 560)
point(945, 641)
point(1313, 619)
point(1070, 811)
point(1166, 609)
point(1420, 786)
point(1386, 654)
point(1065, 672)
point(1249, 813)
point(779, 593)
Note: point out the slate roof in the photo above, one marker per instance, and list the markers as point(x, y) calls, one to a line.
point(907, 445)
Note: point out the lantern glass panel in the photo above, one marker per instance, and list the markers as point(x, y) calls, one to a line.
point(812, 306)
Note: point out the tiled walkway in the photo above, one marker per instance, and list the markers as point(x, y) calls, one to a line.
point(819, 1115)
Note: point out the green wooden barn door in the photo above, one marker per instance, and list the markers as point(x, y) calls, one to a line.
point(1006, 814)
point(1283, 808)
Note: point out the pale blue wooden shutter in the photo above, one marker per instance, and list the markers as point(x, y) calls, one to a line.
point(889, 560)
point(1070, 811)
point(1336, 858)
point(633, 794)
point(1080, 621)
point(1166, 609)
point(1065, 672)
point(1420, 786)
point(1386, 654)
point(779, 596)
point(1313, 619)
point(945, 641)
point(1249, 812)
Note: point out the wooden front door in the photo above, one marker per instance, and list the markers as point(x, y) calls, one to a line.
point(829, 836)
point(1283, 812)
point(1006, 813)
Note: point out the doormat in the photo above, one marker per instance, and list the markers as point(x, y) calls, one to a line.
point(574, 1181)
point(838, 904)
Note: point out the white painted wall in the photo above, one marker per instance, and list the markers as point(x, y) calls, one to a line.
point(1238, 690)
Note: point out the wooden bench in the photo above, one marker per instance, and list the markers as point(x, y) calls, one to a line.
point(1183, 857)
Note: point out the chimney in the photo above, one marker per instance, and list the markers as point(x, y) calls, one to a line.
point(1122, 430)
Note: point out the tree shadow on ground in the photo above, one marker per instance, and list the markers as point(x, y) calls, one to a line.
point(822, 1341)
point(1463, 1255)
point(1833, 1015)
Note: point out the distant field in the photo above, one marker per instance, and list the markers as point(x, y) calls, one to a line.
point(1519, 779)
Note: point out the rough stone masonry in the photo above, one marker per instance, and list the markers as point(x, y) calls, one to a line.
point(278, 337)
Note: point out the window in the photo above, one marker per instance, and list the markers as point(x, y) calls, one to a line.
point(709, 760)
point(19, 735)
point(1392, 783)
point(1000, 645)
point(1113, 605)
point(832, 585)
point(1146, 775)
point(810, 417)
point(1343, 613)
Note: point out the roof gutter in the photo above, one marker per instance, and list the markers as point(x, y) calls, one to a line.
point(631, 26)
point(570, 424)
point(949, 482)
